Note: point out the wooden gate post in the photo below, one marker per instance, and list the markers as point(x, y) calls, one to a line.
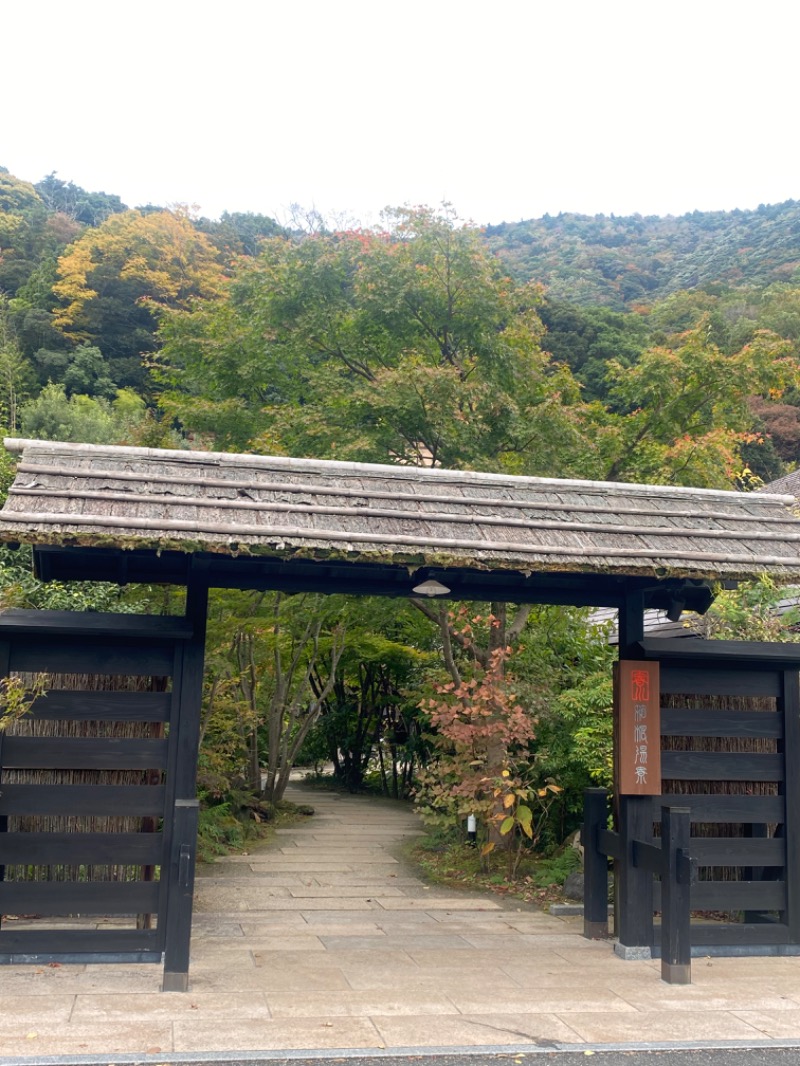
point(676, 950)
point(181, 890)
point(5, 658)
point(595, 864)
point(633, 896)
point(184, 839)
point(790, 745)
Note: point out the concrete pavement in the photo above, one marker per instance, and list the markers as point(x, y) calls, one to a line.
point(324, 939)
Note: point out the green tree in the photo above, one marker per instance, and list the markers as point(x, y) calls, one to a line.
point(90, 420)
point(240, 232)
point(588, 338)
point(22, 216)
point(370, 719)
point(86, 373)
point(66, 198)
point(408, 345)
point(263, 651)
point(16, 373)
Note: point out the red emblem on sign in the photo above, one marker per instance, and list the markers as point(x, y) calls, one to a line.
point(640, 685)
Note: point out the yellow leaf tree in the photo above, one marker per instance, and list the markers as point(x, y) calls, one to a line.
point(114, 280)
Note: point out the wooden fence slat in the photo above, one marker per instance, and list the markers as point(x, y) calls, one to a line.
point(719, 681)
point(80, 655)
point(76, 706)
point(79, 897)
point(733, 895)
point(726, 934)
point(95, 753)
point(697, 722)
point(82, 799)
point(47, 849)
point(14, 940)
point(721, 766)
point(26, 624)
point(738, 851)
point(723, 808)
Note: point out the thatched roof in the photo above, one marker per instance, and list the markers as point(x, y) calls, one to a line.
point(789, 485)
point(265, 506)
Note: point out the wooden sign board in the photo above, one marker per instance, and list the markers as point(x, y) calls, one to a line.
point(637, 719)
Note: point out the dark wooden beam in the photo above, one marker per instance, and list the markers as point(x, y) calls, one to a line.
point(362, 578)
point(731, 652)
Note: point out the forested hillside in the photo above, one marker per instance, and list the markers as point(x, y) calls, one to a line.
point(620, 262)
point(588, 346)
point(652, 350)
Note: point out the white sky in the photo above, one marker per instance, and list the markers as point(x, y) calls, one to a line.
point(507, 108)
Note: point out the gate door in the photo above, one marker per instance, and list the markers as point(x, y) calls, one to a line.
point(97, 846)
point(730, 724)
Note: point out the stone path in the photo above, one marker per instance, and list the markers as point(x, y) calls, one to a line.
point(327, 940)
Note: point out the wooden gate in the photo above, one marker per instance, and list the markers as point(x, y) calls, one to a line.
point(98, 818)
point(730, 728)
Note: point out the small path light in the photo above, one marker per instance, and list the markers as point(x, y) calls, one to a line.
point(472, 830)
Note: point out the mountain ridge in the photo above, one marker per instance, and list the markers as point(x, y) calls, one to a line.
point(623, 261)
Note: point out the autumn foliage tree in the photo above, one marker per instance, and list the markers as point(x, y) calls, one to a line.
point(115, 280)
point(681, 414)
point(482, 737)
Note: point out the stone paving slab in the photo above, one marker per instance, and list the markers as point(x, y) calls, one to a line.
point(778, 1025)
point(147, 1006)
point(360, 1004)
point(14, 1010)
point(342, 892)
point(386, 918)
point(430, 903)
point(460, 1031)
point(655, 1026)
point(326, 939)
point(315, 859)
point(264, 947)
point(368, 877)
point(484, 980)
point(255, 930)
point(538, 1000)
point(731, 997)
point(404, 943)
point(286, 866)
point(256, 1034)
point(86, 1038)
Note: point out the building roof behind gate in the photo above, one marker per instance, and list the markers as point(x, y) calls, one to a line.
point(271, 506)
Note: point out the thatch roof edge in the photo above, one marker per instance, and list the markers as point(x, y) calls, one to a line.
point(337, 468)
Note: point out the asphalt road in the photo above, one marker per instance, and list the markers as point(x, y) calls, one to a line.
point(771, 1055)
